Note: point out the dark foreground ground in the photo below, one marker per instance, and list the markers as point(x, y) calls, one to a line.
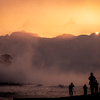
point(81, 97)
point(88, 97)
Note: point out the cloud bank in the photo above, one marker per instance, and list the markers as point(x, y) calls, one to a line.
point(50, 61)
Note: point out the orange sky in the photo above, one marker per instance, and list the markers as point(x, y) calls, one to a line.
point(49, 18)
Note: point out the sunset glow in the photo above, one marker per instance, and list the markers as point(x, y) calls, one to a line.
point(49, 18)
point(50, 49)
point(97, 33)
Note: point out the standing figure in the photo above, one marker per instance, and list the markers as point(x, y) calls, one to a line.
point(96, 86)
point(71, 89)
point(92, 82)
point(85, 89)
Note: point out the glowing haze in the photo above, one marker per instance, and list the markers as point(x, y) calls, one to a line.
point(49, 18)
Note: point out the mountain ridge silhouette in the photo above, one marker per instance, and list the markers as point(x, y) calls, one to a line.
point(23, 33)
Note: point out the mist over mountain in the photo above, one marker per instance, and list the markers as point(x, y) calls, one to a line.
point(65, 36)
point(50, 60)
point(23, 34)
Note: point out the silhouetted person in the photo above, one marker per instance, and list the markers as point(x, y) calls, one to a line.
point(71, 89)
point(96, 86)
point(85, 89)
point(92, 82)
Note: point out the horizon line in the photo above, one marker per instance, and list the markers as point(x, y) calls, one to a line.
point(23, 31)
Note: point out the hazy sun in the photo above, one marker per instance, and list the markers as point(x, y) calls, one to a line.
point(97, 33)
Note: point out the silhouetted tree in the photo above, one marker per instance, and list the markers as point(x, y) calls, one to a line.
point(6, 59)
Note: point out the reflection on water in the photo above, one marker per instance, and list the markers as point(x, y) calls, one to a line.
point(31, 91)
